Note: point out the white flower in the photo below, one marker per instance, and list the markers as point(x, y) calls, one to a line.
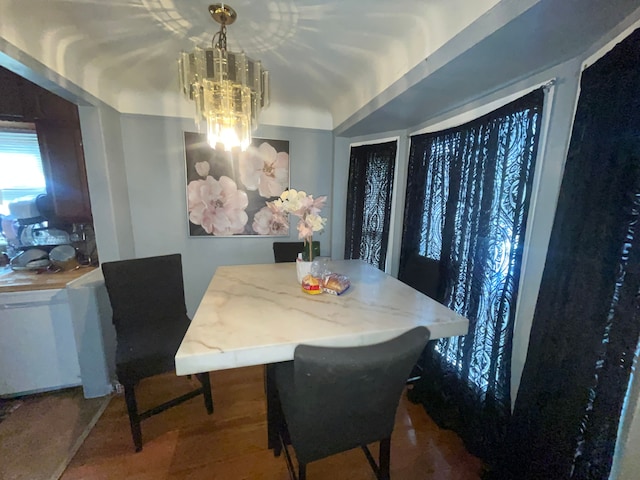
point(203, 168)
point(293, 201)
point(315, 222)
point(305, 207)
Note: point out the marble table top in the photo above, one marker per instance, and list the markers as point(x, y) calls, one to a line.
point(258, 314)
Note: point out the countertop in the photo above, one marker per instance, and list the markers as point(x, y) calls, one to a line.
point(21, 281)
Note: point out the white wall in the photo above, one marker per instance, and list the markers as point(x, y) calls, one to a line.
point(155, 170)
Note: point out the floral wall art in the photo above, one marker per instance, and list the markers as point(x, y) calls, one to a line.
point(227, 191)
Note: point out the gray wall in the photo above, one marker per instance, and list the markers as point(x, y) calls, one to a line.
point(341, 155)
point(106, 175)
point(154, 159)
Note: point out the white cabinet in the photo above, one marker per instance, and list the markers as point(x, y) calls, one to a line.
point(37, 346)
point(95, 335)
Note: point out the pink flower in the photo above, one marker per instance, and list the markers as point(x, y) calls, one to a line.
point(317, 205)
point(217, 205)
point(264, 169)
point(270, 222)
point(305, 232)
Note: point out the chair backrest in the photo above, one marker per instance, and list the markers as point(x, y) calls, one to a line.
point(286, 251)
point(423, 274)
point(350, 395)
point(144, 288)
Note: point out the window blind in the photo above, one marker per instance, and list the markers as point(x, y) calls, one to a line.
point(21, 171)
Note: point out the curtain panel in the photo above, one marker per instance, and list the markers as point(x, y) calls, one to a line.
point(369, 194)
point(466, 210)
point(586, 326)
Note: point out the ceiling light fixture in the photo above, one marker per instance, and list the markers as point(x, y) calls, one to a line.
point(229, 89)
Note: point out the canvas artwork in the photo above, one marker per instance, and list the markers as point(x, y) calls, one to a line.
point(227, 191)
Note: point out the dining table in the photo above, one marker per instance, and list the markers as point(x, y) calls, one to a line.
point(258, 314)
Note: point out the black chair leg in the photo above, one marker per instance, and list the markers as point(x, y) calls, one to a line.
point(302, 471)
point(134, 418)
point(206, 391)
point(385, 459)
point(277, 449)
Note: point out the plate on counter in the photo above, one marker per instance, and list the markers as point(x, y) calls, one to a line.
point(35, 235)
point(33, 259)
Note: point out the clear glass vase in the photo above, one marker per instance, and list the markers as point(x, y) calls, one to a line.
point(311, 250)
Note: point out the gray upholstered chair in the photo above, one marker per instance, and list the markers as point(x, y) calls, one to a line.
point(150, 316)
point(336, 399)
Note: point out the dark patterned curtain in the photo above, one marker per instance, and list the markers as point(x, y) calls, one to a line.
point(466, 209)
point(369, 202)
point(586, 325)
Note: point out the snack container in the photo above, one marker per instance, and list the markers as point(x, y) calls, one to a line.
point(311, 285)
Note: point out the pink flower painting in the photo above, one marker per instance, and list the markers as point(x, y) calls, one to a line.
point(228, 191)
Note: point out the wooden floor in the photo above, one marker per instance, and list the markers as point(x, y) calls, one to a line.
point(44, 431)
point(186, 443)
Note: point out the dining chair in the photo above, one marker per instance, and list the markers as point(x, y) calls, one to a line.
point(424, 275)
point(335, 399)
point(150, 318)
point(288, 251)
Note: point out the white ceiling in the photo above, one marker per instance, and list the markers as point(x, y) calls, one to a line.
point(332, 62)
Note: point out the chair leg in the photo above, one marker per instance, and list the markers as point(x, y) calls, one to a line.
point(134, 418)
point(302, 471)
point(385, 459)
point(277, 448)
point(206, 391)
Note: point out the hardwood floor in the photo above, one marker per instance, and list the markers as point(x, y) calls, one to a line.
point(186, 443)
point(44, 431)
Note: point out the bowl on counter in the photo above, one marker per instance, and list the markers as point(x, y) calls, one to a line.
point(64, 257)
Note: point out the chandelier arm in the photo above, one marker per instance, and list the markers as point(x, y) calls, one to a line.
point(215, 44)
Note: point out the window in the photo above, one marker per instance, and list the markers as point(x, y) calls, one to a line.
point(369, 194)
point(468, 191)
point(21, 173)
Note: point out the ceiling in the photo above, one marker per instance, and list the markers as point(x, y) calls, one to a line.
point(334, 64)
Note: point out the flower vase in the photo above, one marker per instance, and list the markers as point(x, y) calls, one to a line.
point(302, 269)
point(310, 251)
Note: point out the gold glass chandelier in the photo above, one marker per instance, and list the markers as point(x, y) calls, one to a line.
point(229, 89)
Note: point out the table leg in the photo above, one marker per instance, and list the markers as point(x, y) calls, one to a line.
point(274, 410)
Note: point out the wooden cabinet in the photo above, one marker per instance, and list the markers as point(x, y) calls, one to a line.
point(58, 127)
point(11, 89)
point(64, 168)
point(23, 101)
point(44, 105)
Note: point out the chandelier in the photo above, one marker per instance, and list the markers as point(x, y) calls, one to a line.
point(229, 89)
